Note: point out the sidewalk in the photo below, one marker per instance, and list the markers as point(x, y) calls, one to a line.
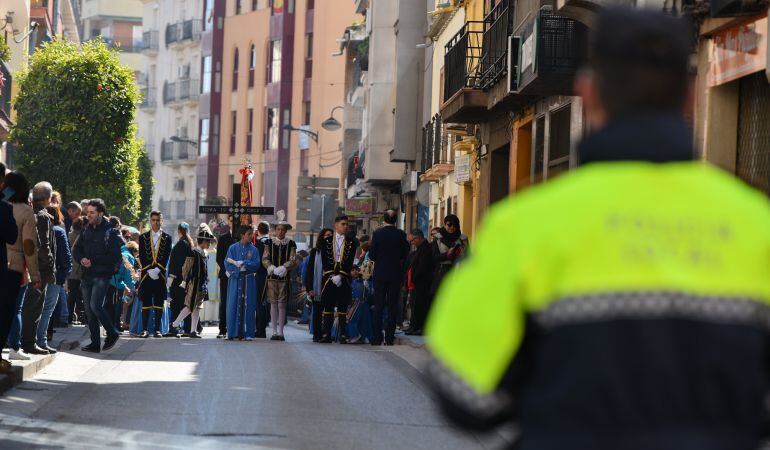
point(412, 341)
point(65, 339)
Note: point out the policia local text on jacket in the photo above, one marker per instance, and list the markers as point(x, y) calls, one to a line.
point(625, 305)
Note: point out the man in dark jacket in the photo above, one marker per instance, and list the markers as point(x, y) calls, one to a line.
point(388, 251)
point(32, 310)
point(420, 275)
point(154, 254)
point(98, 251)
point(223, 244)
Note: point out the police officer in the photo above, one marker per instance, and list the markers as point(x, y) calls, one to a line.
point(643, 327)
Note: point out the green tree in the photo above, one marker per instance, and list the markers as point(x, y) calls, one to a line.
point(5, 51)
point(75, 125)
point(147, 183)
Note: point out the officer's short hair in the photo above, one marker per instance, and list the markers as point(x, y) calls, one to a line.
point(640, 60)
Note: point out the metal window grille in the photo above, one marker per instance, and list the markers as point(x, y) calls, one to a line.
point(753, 155)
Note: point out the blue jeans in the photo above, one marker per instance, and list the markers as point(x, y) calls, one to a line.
point(14, 337)
point(64, 310)
point(94, 297)
point(49, 304)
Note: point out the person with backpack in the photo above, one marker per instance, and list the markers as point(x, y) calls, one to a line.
point(98, 251)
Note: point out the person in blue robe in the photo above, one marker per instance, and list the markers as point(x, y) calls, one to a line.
point(242, 262)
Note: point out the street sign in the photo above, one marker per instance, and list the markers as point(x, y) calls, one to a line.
point(323, 211)
point(237, 209)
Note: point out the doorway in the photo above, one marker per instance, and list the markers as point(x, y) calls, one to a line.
point(499, 180)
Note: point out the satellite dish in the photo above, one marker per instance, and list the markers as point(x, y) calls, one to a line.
point(423, 194)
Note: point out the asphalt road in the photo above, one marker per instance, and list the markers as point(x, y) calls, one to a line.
point(209, 393)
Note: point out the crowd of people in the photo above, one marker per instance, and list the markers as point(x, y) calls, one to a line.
point(74, 264)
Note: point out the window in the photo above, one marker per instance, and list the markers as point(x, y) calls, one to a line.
point(206, 81)
point(559, 142)
point(254, 5)
point(309, 55)
point(208, 15)
point(304, 160)
point(310, 4)
point(252, 64)
point(215, 136)
point(250, 134)
point(274, 62)
point(233, 130)
point(204, 137)
point(238, 6)
point(235, 70)
point(306, 113)
point(271, 129)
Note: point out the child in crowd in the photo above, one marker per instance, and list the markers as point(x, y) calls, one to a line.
point(359, 315)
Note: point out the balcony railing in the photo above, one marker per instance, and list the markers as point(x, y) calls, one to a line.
point(177, 151)
point(181, 90)
point(436, 145)
point(462, 59)
point(498, 25)
point(150, 41)
point(149, 98)
point(6, 81)
point(189, 30)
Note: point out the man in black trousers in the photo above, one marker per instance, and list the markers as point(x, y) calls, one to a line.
point(388, 251)
point(223, 244)
point(420, 270)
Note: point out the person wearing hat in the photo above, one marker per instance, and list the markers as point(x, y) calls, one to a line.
point(195, 278)
point(279, 258)
point(183, 249)
point(622, 305)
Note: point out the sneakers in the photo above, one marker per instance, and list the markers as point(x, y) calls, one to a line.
point(221, 335)
point(195, 335)
point(110, 341)
point(249, 339)
point(157, 334)
point(144, 334)
point(18, 355)
point(275, 337)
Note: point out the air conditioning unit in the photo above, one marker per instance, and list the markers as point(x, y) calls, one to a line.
point(184, 71)
point(181, 132)
point(179, 184)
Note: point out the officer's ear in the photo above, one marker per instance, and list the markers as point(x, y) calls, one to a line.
point(586, 86)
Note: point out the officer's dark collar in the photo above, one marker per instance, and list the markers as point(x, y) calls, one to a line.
point(651, 137)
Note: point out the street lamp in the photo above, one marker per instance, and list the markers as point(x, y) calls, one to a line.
point(332, 124)
point(313, 135)
point(185, 140)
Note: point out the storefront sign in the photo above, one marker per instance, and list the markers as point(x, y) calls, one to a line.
point(737, 52)
point(462, 169)
point(359, 206)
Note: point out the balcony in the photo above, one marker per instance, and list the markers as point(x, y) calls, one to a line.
point(150, 42)
point(181, 32)
point(181, 91)
point(498, 25)
point(149, 99)
point(437, 154)
point(177, 152)
point(552, 49)
point(464, 101)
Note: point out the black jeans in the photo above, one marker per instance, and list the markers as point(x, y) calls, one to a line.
point(9, 291)
point(75, 301)
point(420, 306)
point(222, 306)
point(30, 316)
point(387, 294)
point(262, 309)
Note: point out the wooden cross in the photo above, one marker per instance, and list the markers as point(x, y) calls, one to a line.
point(237, 209)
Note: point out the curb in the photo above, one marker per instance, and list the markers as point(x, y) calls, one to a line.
point(21, 373)
point(407, 340)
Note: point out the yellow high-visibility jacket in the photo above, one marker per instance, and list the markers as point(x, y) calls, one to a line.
point(623, 302)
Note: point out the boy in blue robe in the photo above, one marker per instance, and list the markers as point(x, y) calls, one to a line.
point(242, 262)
